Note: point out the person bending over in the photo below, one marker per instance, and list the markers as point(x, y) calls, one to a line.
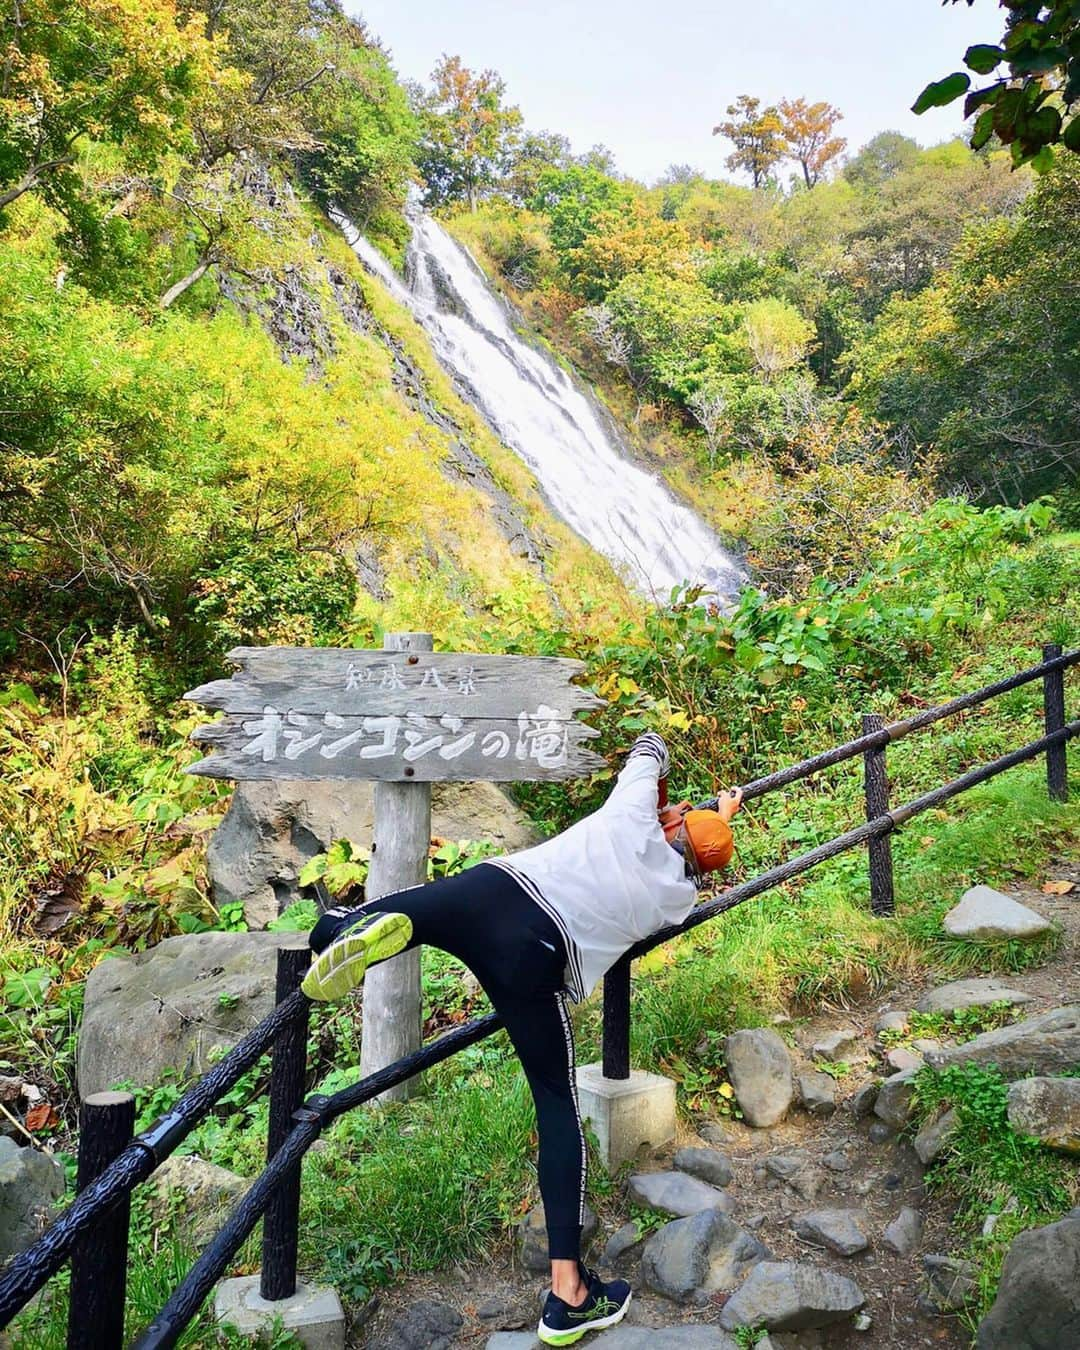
point(537, 928)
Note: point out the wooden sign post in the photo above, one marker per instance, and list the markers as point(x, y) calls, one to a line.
point(406, 717)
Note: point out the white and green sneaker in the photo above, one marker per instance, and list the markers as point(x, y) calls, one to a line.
point(603, 1306)
point(342, 966)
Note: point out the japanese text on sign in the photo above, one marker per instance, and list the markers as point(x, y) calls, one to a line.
point(541, 737)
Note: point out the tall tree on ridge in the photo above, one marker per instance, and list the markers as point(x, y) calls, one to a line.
point(758, 137)
point(468, 133)
point(808, 130)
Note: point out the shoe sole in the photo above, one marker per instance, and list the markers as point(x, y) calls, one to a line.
point(342, 967)
point(550, 1337)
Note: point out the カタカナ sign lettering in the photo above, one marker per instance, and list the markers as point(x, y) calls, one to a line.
point(396, 716)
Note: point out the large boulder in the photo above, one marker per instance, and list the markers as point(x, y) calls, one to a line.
point(689, 1259)
point(31, 1182)
point(1038, 1298)
point(1049, 1109)
point(272, 829)
point(986, 915)
point(175, 1007)
point(972, 993)
point(759, 1066)
point(195, 1193)
point(1046, 1044)
point(791, 1296)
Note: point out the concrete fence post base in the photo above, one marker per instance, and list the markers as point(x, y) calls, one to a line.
point(314, 1315)
point(626, 1113)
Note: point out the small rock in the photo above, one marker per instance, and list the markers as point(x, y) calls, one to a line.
point(891, 1181)
point(837, 1044)
point(1038, 1296)
point(494, 1308)
point(842, 1231)
point(30, 1184)
point(880, 1133)
point(10, 1089)
point(862, 1103)
point(676, 1193)
point(791, 1296)
point(992, 1220)
point(892, 1021)
point(1048, 1109)
point(623, 1240)
point(426, 1325)
point(934, 1135)
point(713, 1133)
point(901, 1060)
point(705, 1163)
point(862, 1321)
point(691, 1258)
point(979, 993)
point(836, 1161)
point(904, 1234)
point(796, 1170)
point(986, 915)
point(817, 1092)
point(755, 1221)
point(925, 1046)
point(759, 1067)
point(532, 1238)
point(893, 1103)
point(950, 1283)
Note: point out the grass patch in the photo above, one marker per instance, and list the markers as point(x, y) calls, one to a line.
point(990, 1170)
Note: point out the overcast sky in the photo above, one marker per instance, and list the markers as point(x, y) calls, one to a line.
point(650, 80)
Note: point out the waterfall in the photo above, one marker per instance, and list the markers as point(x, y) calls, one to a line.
point(537, 409)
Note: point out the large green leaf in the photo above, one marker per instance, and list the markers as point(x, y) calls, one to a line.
point(983, 58)
point(1071, 136)
point(984, 129)
point(942, 92)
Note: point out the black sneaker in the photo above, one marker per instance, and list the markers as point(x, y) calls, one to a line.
point(604, 1305)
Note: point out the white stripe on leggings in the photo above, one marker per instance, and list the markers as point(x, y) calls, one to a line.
point(568, 1033)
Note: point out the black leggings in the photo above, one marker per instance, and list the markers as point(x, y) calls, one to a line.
point(484, 918)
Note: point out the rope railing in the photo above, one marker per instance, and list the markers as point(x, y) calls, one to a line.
point(98, 1209)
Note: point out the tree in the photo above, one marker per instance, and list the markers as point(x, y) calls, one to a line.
point(777, 334)
point(808, 129)
point(1025, 108)
point(881, 158)
point(72, 69)
point(467, 132)
point(758, 137)
point(985, 363)
point(573, 200)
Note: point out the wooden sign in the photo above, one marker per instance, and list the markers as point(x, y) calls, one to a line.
point(396, 716)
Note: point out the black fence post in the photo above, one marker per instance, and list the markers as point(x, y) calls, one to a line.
point(617, 1020)
point(99, 1258)
point(281, 1222)
point(876, 787)
point(1057, 777)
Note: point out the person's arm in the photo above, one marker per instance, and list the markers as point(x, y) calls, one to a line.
point(637, 788)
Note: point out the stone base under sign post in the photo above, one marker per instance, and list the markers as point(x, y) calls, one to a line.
point(626, 1113)
point(313, 1315)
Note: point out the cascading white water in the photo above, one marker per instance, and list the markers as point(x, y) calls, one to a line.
point(538, 411)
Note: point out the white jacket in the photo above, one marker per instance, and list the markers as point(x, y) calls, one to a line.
point(612, 878)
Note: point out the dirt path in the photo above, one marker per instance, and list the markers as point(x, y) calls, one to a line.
point(856, 1171)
